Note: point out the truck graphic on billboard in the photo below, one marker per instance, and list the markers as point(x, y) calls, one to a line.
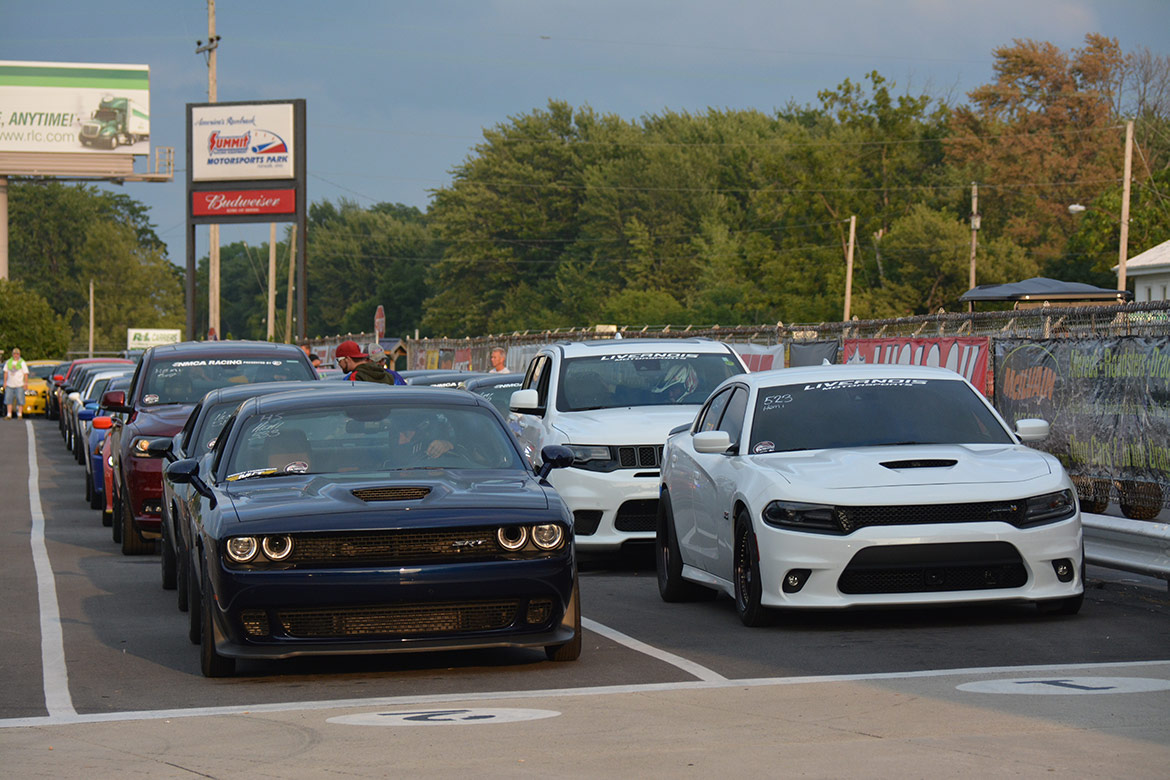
point(117, 121)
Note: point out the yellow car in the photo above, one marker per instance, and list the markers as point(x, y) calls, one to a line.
point(36, 398)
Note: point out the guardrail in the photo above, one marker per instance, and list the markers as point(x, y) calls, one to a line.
point(1138, 546)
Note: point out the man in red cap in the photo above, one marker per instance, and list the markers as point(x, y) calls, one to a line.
point(356, 363)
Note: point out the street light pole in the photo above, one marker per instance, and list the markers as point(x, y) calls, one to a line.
point(1123, 249)
point(849, 266)
point(974, 237)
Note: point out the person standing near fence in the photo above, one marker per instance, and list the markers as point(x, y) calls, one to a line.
point(15, 383)
point(499, 359)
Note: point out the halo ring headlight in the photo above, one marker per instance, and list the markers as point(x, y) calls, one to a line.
point(512, 537)
point(277, 548)
point(242, 549)
point(548, 536)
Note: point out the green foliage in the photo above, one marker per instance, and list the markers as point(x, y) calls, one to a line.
point(29, 323)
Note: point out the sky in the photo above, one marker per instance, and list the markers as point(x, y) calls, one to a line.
point(399, 92)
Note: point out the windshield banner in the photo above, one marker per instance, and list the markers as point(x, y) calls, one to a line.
point(966, 355)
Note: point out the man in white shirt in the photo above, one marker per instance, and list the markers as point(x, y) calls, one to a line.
point(499, 361)
point(15, 383)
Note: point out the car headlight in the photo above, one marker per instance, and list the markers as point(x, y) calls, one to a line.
point(595, 457)
point(1049, 508)
point(29, 392)
point(139, 447)
point(792, 515)
point(512, 537)
point(277, 548)
point(548, 536)
point(242, 549)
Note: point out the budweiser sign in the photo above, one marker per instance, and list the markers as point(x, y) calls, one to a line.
point(235, 202)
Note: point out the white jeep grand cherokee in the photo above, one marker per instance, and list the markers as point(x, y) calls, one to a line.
point(613, 403)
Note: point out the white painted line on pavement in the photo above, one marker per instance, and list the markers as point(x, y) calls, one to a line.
point(690, 667)
point(57, 699)
point(604, 690)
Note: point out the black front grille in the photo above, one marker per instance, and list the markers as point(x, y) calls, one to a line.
point(850, 518)
point(640, 515)
point(392, 548)
point(392, 493)
point(398, 620)
point(926, 568)
point(645, 456)
point(585, 521)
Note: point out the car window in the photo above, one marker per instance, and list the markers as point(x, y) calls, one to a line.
point(96, 389)
point(709, 418)
point(642, 379)
point(369, 437)
point(732, 420)
point(186, 380)
point(871, 412)
point(498, 395)
point(41, 372)
point(214, 420)
point(189, 429)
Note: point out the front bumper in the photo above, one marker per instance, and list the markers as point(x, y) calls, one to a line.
point(37, 403)
point(609, 508)
point(144, 494)
point(262, 614)
point(827, 558)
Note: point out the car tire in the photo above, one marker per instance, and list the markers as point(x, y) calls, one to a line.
point(211, 663)
point(89, 489)
point(132, 541)
point(194, 607)
point(107, 518)
point(746, 575)
point(167, 561)
point(672, 588)
point(182, 596)
point(571, 650)
point(116, 520)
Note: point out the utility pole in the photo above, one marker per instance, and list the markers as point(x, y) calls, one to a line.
point(292, 265)
point(91, 317)
point(1123, 249)
point(849, 266)
point(213, 230)
point(271, 281)
point(975, 220)
point(3, 227)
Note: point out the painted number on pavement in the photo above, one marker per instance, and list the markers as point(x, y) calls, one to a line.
point(449, 717)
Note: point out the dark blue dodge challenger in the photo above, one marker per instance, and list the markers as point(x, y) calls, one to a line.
point(376, 519)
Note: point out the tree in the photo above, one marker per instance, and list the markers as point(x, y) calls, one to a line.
point(28, 322)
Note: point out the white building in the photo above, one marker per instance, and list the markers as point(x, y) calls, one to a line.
point(1151, 274)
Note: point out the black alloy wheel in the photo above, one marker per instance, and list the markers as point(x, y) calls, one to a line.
point(194, 605)
point(748, 588)
point(672, 588)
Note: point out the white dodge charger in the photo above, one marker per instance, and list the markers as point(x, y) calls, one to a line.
point(851, 486)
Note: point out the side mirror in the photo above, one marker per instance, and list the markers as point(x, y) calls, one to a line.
point(554, 456)
point(160, 448)
point(74, 396)
point(712, 442)
point(85, 415)
point(103, 423)
point(58, 378)
point(186, 472)
point(115, 400)
point(525, 402)
point(1032, 429)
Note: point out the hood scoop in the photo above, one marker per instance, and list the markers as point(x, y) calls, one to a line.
point(394, 493)
point(920, 463)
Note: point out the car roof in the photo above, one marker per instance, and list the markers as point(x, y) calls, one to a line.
point(235, 347)
point(245, 391)
point(843, 372)
point(366, 392)
point(621, 346)
point(493, 380)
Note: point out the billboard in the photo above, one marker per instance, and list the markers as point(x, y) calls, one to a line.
point(966, 355)
point(205, 203)
point(242, 142)
point(141, 338)
point(74, 107)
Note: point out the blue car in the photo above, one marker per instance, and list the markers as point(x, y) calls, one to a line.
point(95, 483)
point(366, 518)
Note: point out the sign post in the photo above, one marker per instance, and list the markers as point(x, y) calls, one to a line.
point(246, 163)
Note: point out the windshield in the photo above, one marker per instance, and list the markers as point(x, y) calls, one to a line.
point(368, 438)
point(642, 379)
point(870, 413)
point(186, 381)
point(498, 395)
point(96, 389)
point(105, 115)
point(42, 372)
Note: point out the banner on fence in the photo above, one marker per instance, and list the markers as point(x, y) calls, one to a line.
point(760, 357)
point(1108, 401)
point(812, 353)
point(966, 355)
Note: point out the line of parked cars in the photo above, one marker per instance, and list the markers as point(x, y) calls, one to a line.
point(299, 517)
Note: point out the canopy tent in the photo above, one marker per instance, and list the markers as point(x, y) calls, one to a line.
point(1040, 289)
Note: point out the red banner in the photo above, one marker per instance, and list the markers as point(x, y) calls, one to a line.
point(966, 355)
point(218, 203)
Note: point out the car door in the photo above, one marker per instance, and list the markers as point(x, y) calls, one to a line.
point(532, 428)
point(695, 544)
point(715, 480)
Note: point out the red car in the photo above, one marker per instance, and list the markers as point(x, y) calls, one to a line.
point(169, 381)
